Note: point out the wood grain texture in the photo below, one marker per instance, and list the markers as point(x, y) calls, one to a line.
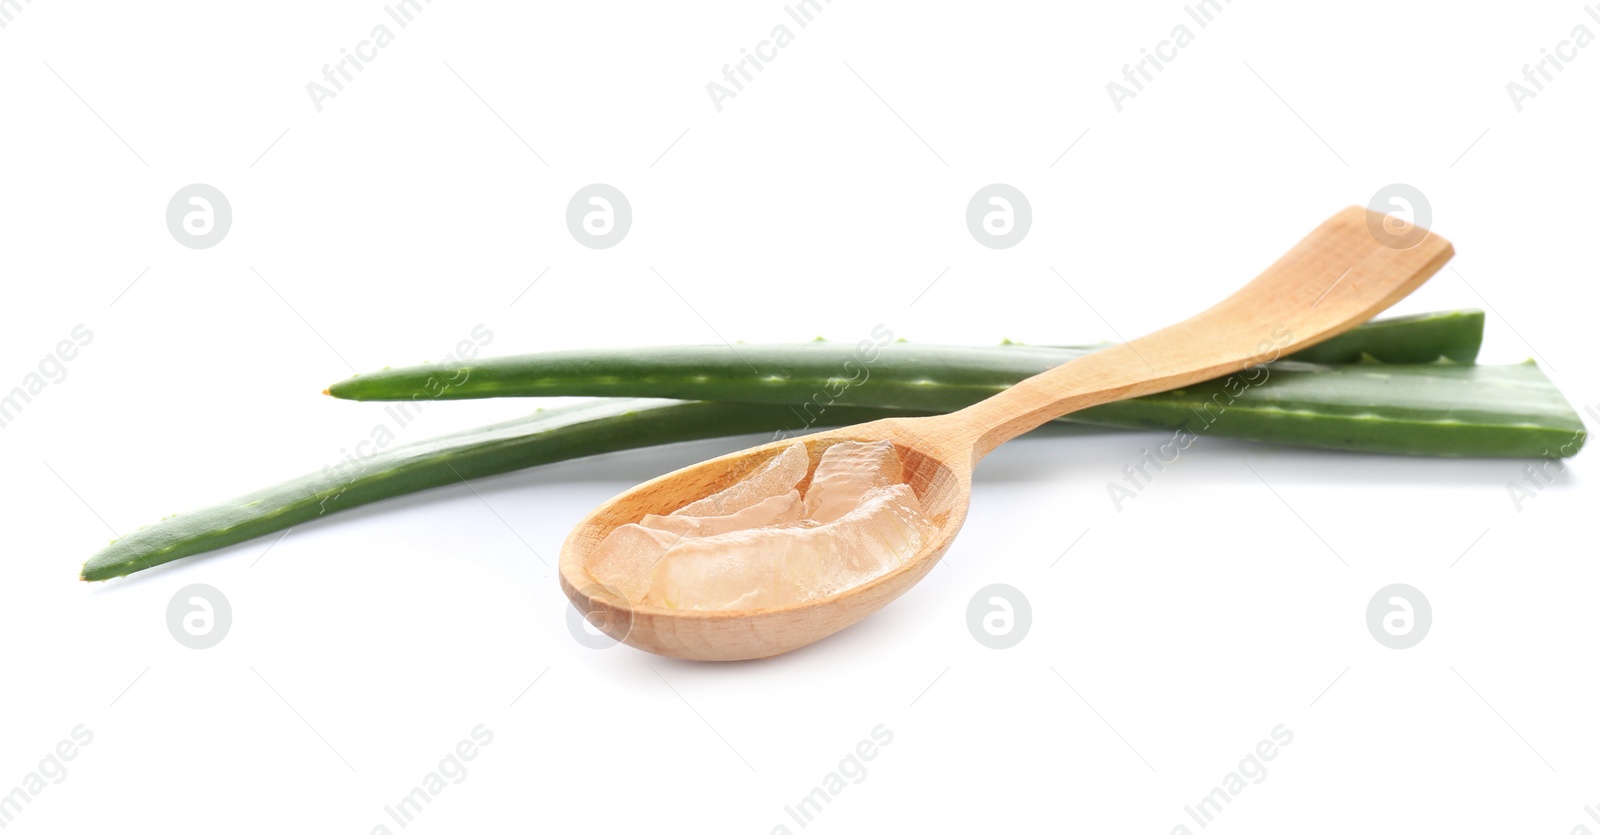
point(1334, 279)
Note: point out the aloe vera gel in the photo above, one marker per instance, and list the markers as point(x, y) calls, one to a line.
point(765, 542)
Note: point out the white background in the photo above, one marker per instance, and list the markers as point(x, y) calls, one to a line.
point(824, 199)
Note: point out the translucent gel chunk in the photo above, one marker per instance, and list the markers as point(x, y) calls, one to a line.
point(778, 510)
point(623, 559)
point(774, 478)
point(847, 471)
point(781, 566)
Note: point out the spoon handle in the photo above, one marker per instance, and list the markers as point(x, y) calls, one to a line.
point(1342, 274)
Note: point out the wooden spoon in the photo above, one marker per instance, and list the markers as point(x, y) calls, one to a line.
point(1339, 276)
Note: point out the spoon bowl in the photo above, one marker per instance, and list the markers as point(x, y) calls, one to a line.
point(943, 490)
point(1337, 277)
